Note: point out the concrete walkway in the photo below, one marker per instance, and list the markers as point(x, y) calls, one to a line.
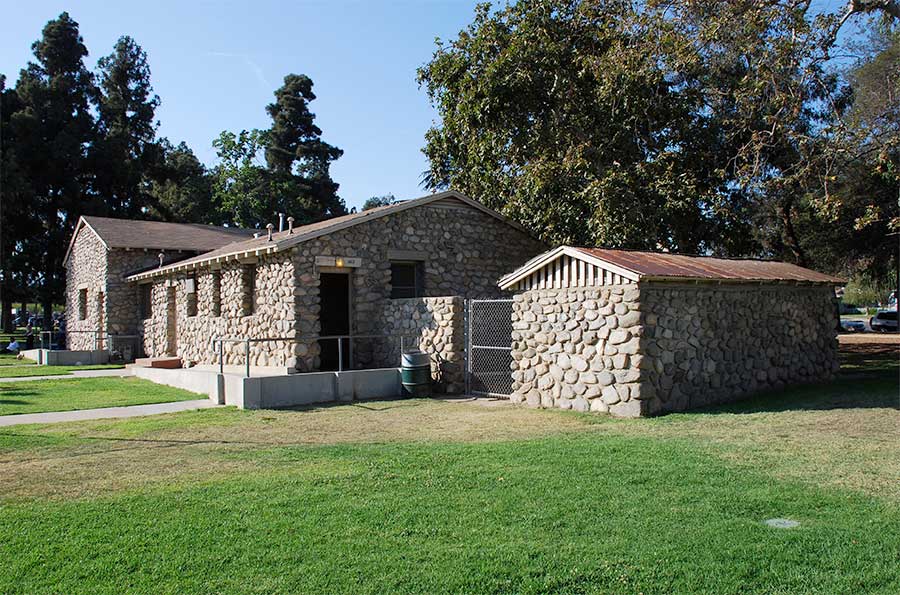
point(73, 375)
point(104, 413)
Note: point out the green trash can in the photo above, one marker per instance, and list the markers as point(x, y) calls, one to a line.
point(415, 374)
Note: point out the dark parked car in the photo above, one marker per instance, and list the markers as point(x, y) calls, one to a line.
point(884, 321)
point(853, 326)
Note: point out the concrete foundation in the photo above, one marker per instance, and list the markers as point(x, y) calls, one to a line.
point(65, 357)
point(280, 391)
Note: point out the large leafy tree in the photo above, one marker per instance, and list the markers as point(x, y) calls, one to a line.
point(52, 130)
point(282, 169)
point(710, 126)
point(560, 114)
point(125, 151)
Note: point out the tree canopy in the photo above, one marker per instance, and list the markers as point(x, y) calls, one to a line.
point(77, 142)
point(710, 127)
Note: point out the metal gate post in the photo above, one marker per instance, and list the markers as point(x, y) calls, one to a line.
point(468, 322)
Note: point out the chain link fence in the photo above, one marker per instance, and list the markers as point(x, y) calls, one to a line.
point(489, 347)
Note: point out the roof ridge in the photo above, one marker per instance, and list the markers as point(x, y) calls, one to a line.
point(687, 254)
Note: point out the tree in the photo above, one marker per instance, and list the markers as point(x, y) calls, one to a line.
point(560, 115)
point(52, 132)
point(125, 150)
point(182, 187)
point(294, 178)
point(240, 181)
point(378, 201)
point(692, 126)
point(17, 220)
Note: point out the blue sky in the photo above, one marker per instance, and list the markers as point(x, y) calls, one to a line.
point(215, 66)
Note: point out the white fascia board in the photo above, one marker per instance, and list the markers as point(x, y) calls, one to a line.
point(549, 257)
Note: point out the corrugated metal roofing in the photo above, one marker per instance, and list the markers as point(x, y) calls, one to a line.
point(678, 266)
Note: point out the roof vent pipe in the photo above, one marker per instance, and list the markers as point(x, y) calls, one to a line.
point(269, 228)
point(255, 235)
point(290, 225)
point(160, 256)
point(280, 222)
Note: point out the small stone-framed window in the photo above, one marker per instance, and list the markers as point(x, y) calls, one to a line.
point(407, 279)
point(145, 299)
point(190, 288)
point(82, 304)
point(248, 287)
point(216, 301)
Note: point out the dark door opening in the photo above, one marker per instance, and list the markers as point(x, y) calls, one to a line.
point(334, 319)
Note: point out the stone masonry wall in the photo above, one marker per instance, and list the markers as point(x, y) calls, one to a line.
point(713, 344)
point(273, 314)
point(466, 252)
point(103, 271)
point(86, 268)
point(641, 350)
point(122, 299)
point(433, 325)
point(578, 349)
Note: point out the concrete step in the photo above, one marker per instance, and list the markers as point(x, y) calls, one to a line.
point(158, 362)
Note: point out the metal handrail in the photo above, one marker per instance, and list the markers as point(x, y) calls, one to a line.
point(340, 339)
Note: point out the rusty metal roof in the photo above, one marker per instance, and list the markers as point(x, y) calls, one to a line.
point(663, 265)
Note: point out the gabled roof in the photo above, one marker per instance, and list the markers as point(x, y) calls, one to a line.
point(286, 239)
point(638, 266)
point(158, 235)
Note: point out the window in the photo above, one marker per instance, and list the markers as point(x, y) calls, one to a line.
point(407, 280)
point(248, 302)
point(82, 304)
point(146, 300)
point(216, 304)
point(190, 288)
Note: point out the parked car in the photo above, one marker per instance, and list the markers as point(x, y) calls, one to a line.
point(853, 326)
point(884, 321)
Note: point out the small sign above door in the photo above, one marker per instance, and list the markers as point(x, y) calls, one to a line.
point(338, 261)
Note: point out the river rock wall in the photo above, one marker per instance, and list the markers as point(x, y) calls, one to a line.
point(433, 325)
point(646, 349)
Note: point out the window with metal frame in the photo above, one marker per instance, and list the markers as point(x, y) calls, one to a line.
point(82, 304)
point(407, 279)
point(145, 299)
point(248, 303)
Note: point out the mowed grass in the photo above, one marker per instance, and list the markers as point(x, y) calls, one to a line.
point(10, 359)
point(84, 393)
point(26, 370)
point(427, 496)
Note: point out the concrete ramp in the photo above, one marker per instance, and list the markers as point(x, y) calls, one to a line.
point(279, 391)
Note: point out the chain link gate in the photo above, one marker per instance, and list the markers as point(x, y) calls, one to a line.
point(489, 347)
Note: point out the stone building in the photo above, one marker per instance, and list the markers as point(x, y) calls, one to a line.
point(639, 333)
point(100, 302)
point(380, 275)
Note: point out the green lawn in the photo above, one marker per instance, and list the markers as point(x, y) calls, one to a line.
point(425, 496)
point(84, 393)
point(10, 371)
point(9, 359)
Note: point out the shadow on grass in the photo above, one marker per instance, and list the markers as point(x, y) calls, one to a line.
point(877, 390)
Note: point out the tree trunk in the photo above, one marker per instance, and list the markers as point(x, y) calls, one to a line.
point(48, 314)
point(6, 315)
point(790, 234)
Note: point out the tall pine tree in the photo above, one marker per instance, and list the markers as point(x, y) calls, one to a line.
point(295, 178)
point(52, 132)
point(125, 150)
